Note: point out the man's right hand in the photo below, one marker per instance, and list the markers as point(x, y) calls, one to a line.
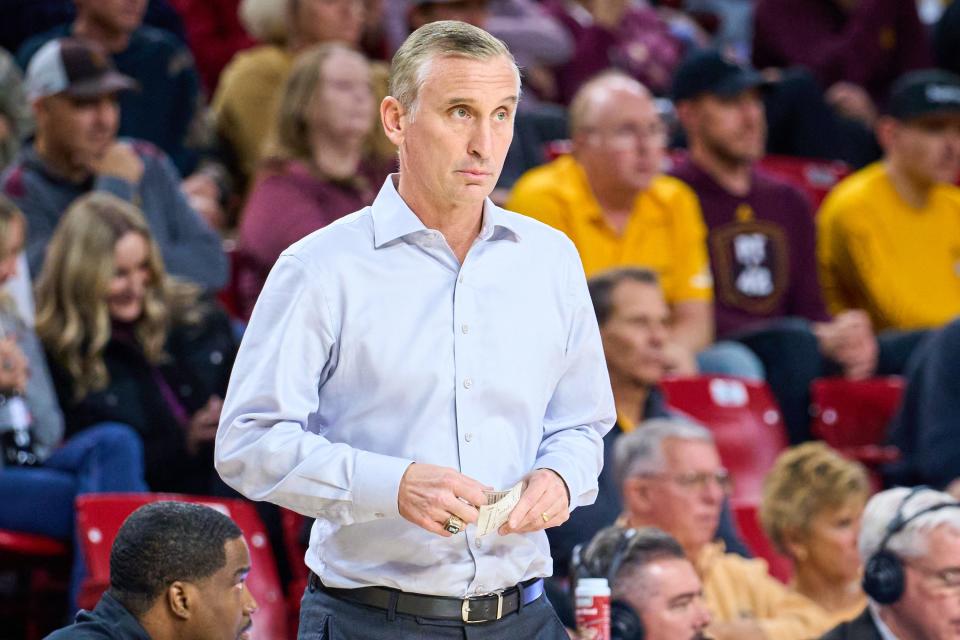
point(119, 161)
point(430, 494)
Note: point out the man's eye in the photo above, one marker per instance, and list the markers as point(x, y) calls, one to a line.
point(460, 112)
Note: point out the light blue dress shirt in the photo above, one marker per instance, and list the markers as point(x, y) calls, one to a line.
point(371, 347)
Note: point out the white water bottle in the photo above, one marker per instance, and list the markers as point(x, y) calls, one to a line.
point(592, 597)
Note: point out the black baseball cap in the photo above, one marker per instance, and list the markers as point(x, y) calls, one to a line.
point(709, 71)
point(930, 92)
point(74, 67)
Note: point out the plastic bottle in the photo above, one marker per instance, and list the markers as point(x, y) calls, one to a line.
point(592, 597)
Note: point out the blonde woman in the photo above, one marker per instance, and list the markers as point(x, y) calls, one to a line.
point(813, 500)
point(316, 169)
point(128, 343)
point(36, 467)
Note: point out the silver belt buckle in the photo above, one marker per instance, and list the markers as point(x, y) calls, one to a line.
point(465, 608)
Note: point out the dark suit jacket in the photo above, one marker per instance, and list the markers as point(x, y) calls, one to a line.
point(860, 628)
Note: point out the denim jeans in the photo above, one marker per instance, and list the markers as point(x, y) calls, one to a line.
point(101, 458)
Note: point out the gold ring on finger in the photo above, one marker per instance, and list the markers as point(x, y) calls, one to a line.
point(545, 517)
point(453, 525)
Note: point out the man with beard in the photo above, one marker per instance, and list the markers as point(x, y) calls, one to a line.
point(177, 570)
point(74, 91)
point(761, 242)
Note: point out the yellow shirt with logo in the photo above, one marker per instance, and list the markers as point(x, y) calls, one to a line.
point(899, 263)
point(665, 231)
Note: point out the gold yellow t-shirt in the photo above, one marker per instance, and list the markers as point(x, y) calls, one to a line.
point(665, 231)
point(899, 263)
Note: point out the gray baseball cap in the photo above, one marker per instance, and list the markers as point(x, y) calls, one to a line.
point(75, 67)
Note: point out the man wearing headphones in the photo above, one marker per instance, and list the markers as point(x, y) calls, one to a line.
point(910, 542)
point(656, 594)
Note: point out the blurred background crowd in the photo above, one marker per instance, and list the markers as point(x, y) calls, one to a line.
point(763, 194)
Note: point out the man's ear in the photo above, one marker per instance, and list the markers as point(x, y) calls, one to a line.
point(636, 495)
point(394, 120)
point(179, 600)
point(886, 130)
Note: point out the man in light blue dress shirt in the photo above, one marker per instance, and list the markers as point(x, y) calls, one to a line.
point(414, 353)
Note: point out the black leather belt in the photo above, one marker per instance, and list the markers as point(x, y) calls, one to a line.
point(485, 608)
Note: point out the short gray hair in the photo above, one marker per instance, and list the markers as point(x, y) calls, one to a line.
point(411, 62)
point(641, 451)
point(631, 550)
point(911, 541)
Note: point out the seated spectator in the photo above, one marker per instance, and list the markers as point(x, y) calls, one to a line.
point(16, 123)
point(761, 241)
point(611, 199)
point(36, 466)
point(315, 171)
point(214, 34)
point(631, 37)
point(166, 107)
point(73, 89)
point(655, 591)
point(177, 570)
point(127, 343)
point(889, 235)
point(813, 500)
point(671, 478)
point(250, 86)
point(862, 46)
point(910, 544)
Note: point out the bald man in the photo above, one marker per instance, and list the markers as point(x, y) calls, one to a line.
point(612, 199)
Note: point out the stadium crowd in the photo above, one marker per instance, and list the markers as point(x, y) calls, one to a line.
point(760, 191)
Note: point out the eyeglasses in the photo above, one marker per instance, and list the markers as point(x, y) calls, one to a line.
point(945, 579)
point(627, 136)
point(697, 481)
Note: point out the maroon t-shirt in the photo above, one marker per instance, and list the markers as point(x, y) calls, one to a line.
point(762, 251)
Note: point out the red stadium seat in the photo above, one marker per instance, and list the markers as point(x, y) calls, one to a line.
point(852, 416)
point(41, 566)
point(744, 419)
point(814, 177)
point(748, 522)
point(99, 517)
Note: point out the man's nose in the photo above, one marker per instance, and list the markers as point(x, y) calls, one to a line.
point(481, 139)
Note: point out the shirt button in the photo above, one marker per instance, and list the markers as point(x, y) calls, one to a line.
point(378, 514)
point(460, 279)
point(468, 437)
point(477, 543)
point(467, 383)
point(465, 328)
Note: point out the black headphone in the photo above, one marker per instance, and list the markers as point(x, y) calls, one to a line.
point(625, 622)
point(883, 575)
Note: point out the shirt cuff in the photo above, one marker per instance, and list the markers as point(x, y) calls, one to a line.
point(569, 474)
point(376, 485)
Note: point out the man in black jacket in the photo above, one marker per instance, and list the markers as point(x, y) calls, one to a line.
point(177, 570)
point(910, 543)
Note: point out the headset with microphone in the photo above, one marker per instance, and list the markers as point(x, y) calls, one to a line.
point(883, 574)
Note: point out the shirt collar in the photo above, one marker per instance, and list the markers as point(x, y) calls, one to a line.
point(882, 628)
point(393, 219)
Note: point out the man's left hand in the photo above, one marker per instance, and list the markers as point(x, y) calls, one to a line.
point(545, 503)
